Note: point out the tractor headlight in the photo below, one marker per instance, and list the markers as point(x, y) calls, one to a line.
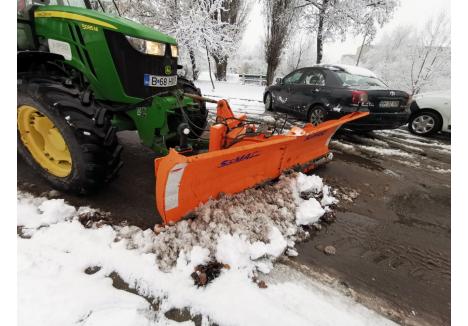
point(145, 46)
point(174, 51)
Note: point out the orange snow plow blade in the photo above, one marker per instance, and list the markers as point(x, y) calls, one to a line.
point(185, 182)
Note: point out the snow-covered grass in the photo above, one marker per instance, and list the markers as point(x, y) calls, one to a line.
point(65, 269)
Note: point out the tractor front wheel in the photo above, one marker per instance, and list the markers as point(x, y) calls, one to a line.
point(63, 144)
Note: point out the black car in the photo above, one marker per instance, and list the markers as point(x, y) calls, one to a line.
point(324, 92)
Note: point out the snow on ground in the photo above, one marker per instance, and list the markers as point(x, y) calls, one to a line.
point(66, 272)
point(406, 137)
point(242, 98)
point(385, 151)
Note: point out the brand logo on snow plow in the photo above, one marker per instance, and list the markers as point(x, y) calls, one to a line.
point(238, 159)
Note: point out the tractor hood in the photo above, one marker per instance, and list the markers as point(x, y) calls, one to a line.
point(92, 17)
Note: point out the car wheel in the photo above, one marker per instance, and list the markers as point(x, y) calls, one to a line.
point(316, 115)
point(424, 123)
point(268, 102)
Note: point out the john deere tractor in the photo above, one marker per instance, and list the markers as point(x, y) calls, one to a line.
point(83, 76)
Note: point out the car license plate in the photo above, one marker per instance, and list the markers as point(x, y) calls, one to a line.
point(389, 104)
point(160, 81)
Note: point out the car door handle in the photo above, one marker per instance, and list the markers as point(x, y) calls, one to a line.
point(316, 90)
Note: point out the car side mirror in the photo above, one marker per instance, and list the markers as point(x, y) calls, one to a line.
point(279, 81)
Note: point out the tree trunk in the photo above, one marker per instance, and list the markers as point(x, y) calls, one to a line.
point(360, 50)
point(320, 40)
point(195, 71)
point(279, 14)
point(221, 67)
point(209, 66)
point(322, 13)
point(270, 74)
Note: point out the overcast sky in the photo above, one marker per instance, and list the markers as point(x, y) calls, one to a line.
point(411, 12)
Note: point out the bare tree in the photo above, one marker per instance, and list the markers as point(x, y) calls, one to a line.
point(414, 60)
point(279, 17)
point(431, 53)
point(299, 52)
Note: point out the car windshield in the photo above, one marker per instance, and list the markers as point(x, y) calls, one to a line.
point(357, 80)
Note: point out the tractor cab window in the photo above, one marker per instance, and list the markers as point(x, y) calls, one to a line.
point(293, 78)
point(75, 3)
point(21, 6)
point(314, 77)
point(71, 3)
point(107, 6)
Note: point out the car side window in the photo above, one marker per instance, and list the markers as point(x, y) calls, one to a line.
point(314, 77)
point(293, 78)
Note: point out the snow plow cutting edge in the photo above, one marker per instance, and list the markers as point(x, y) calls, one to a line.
point(239, 158)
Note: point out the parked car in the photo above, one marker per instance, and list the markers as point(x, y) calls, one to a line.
point(323, 92)
point(430, 113)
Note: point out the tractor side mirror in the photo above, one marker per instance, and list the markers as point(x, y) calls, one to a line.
point(279, 81)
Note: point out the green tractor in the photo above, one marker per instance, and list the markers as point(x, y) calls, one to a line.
point(83, 76)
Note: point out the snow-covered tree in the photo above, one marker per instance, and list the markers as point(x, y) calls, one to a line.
point(414, 60)
point(233, 14)
point(333, 19)
point(279, 16)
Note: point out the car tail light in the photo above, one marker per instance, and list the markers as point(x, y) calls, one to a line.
point(359, 97)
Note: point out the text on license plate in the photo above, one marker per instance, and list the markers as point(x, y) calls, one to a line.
point(389, 104)
point(160, 81)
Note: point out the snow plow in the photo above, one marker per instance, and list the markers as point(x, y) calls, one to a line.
point(240, 156)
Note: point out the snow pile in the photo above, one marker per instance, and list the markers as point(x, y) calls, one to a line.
point(35, 212)
point(309, 210)
point(256, 218)
point(69, 274)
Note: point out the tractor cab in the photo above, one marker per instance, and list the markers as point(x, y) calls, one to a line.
point(25, 39)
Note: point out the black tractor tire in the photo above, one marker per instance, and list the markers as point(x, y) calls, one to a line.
point(87, 132)
point(425, 123)
point(316, 115)
point(197, 122)
point(268, 100)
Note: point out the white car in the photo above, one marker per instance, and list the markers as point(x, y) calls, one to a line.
point(430, 113)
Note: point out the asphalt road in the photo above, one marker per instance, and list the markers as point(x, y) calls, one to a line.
point(392, 233)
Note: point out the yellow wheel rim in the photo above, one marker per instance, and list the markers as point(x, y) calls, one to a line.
point(44, 141)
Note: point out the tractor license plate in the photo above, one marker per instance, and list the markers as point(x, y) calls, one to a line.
point(389, 104)
point(160, 81)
